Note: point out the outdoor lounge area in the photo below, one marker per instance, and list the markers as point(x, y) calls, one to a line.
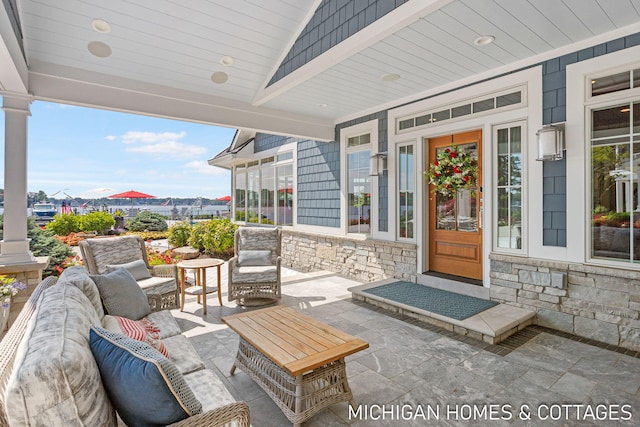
point(415, 371)
point(409, 372)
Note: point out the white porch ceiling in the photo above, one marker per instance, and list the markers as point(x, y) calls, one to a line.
point(164, 52)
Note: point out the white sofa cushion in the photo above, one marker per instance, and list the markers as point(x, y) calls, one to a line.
point(165, 321)
point(208, 389)
point(56, 376)
point(183, 354)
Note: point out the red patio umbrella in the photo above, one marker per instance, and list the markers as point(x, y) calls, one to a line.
point(131, 194)
point(224, 199)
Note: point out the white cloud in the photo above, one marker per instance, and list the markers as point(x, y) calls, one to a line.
point(202, 167)
point(176, 149)
point(110, 137)
point(133, 137)
point(96, 193)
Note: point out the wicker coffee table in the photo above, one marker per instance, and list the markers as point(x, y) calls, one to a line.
point(298, 361)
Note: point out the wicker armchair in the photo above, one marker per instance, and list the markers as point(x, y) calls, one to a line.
point(254, 271)
point(161, 289)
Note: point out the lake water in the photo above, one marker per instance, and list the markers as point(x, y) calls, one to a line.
point(169, 211)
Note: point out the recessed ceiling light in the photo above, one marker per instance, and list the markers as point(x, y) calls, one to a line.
point(99, 49)
point(484, 40)
point(219, 77)
point(101, 26)
point(226, 60)
point(390, 77)
point(323, 105)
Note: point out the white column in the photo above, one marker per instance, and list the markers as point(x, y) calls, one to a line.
point(14, 249)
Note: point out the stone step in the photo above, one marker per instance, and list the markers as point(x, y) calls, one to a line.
point(491, 326)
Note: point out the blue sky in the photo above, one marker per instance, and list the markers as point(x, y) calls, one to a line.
point(95, 153)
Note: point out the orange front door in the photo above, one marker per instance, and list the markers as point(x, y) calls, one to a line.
point(455, 229)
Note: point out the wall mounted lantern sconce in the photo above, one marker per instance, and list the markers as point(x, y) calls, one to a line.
point(378, 164)
point(551, 142)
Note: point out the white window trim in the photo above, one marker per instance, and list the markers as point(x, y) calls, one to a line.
point(523, 188)
point(370, 127)
point(578, 146)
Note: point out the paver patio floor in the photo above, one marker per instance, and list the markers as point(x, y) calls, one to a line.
point(415, 372)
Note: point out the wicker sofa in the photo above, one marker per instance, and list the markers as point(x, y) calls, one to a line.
point(49, 376)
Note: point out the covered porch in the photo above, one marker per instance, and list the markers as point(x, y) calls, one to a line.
point(416, 373)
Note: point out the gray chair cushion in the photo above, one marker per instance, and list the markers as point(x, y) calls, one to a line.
point(137, 268)
point(121, 295)
point(254, 258)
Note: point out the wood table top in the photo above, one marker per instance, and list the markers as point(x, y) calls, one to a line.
point(200, 263)
point(294, 341)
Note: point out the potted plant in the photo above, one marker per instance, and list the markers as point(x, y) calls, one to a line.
point(9, 286)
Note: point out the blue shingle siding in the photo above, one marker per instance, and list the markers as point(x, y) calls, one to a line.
point(554, 203)
point(318, 191)
point(554, 104)
point(383, 181)
point(332, 22)
point(265, 141)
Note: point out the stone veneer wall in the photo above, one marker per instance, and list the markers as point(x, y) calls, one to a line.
point(29, 274)
point(596, 302)
point(366, 260)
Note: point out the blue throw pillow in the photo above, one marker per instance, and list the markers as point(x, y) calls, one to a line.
point(144, 387)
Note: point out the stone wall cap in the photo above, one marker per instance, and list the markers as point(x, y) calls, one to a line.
point(40, 264)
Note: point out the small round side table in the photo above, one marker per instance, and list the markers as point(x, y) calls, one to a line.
point(200, 266)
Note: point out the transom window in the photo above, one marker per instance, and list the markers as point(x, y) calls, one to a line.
point(615, 82)
point(510, 98)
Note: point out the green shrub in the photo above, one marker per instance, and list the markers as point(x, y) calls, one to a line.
point(150, 235)
point(64, 224)
point(213, 237)
point(43, 243)
point(179, 234)
point(147, 221)
point(100, 222)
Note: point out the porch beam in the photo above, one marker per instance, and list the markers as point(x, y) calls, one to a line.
point(77, 87)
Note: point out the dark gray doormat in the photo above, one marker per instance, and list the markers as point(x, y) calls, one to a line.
point(445, 303)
